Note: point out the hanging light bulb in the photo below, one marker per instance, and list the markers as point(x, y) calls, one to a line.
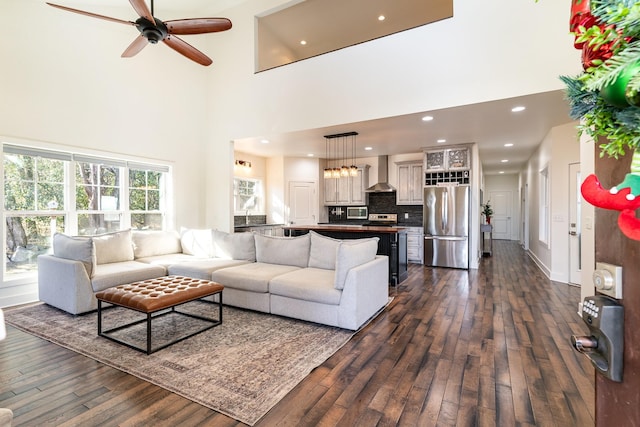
point(353, 169)
point(327, 169)
point(335, 172)
point(344, 170)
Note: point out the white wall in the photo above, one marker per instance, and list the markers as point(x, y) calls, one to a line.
point(506, 182)
point(403, 73)
point(559, 148)
point(64, 83)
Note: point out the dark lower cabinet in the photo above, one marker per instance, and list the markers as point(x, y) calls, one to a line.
point(393, 245)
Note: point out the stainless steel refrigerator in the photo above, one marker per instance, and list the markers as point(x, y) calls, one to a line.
point(446, 226)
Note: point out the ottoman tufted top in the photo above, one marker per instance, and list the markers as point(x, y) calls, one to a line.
point(152, 295)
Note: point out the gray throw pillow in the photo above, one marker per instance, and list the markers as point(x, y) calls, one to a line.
point(323, 251)
point(113, 247)
point(75, 248)
point(283, 250)
point(353, 254)
point(239, 246)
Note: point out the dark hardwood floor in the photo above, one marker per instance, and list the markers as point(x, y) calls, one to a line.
point(486, 347)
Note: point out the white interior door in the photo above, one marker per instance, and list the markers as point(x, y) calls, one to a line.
point(502, 205)
point(302, 203)
point(575, 239)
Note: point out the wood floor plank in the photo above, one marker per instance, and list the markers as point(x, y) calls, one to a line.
point(486, 347)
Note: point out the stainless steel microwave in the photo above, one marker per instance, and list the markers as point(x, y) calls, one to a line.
point(357, 212)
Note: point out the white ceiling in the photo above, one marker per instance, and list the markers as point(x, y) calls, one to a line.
point(489, 124)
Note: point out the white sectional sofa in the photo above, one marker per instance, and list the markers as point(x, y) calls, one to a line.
point(312, 277)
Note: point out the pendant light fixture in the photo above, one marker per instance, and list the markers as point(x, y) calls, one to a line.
point(327, 169)
point(343, 144)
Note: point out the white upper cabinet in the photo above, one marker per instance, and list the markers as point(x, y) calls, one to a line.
point(347, 190)
point(409, 185)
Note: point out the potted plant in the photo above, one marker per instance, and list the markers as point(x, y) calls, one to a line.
point(487, 211)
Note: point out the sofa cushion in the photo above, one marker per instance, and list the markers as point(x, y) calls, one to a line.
point(283, 250)
point(352, 254)
point(234, 245)
point(197, 242)
point(323, 251)
point(202, 269)
point(307, 284)
point(168, 259)
point(252, 277)
point(113, 247)
point(152, 243)
point(121, 273)
point(75, 248)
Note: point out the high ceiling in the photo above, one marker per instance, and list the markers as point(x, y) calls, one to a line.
point(489, 124)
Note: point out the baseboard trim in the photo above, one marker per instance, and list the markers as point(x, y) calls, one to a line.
point(540, 264)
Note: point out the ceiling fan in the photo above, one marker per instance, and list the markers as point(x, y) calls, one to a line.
point(152, 30)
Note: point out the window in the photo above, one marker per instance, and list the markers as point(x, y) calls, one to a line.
point(33, 193)
point(543, 218)
point(247, 196)
point(98, 191)
point(48, 191)
point(145, 190)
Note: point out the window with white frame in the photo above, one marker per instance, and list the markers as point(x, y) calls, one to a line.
point(49, 191)
point(544, 203)
point(248, 196)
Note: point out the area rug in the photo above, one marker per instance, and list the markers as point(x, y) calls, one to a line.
point(241, 368)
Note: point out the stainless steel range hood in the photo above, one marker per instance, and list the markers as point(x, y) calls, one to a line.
point(382, 186)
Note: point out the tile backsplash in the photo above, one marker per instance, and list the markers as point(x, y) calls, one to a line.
point(382, 203)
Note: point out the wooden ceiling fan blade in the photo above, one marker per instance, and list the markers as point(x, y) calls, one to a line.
point(142, 10)
point(198, 25)
point(135, 47)
point(187, 50)
point(93, 15)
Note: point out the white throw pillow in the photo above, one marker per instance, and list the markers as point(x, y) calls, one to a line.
point(323, 251)
point(283, 250)
point(352, 254)
point(234, 245)
point(197, 242)
point(153, 243)
point(75, 248)
point(113, 247)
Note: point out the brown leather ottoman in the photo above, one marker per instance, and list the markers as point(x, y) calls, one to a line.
point(161, 296)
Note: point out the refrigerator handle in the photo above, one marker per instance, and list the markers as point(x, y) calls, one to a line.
point(445, 210)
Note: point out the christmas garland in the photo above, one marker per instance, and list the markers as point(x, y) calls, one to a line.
point(606, 97)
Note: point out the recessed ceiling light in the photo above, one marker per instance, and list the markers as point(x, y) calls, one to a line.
point(303, 42)
point(264, 141)
point(518, 109)
point(508, 144)
point(381, 18)
point(310, 155)
point(504, 160)
point(368, 148)
point(501, 172)
point(440, 141)
point(427, 118)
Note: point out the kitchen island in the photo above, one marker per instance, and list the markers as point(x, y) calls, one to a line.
point(392, 243)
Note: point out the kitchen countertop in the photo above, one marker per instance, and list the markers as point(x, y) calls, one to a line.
point(257, 225)
point(349, 228)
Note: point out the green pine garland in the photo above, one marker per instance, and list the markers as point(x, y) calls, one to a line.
point(620, 126)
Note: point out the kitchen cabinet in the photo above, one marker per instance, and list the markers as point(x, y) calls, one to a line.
point(347, 190)
point(415, 242)
point(447, 166)
point(410, 183)
point(447, 159)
